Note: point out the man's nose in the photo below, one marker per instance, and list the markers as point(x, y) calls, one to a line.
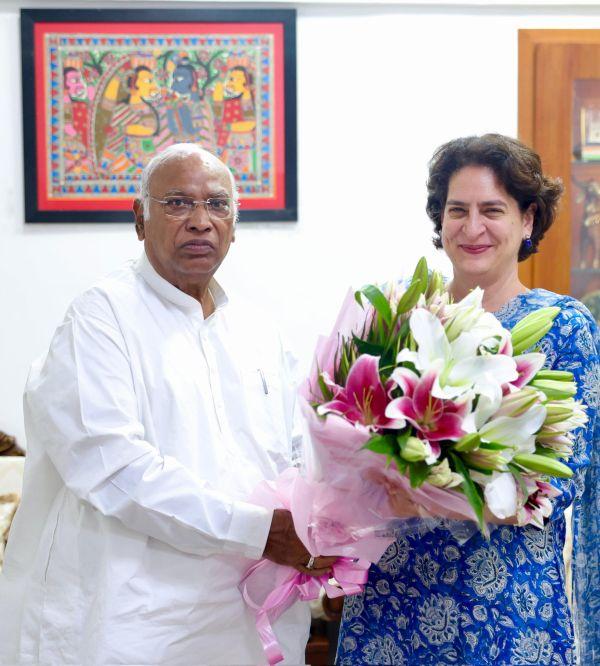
point(199, 219)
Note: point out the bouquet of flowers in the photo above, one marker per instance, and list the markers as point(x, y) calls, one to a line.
point(463, 417)
point(415, 396)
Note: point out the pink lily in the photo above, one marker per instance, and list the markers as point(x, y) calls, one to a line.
point(537, 505)
point(436, 419)
point(506, 347)
point(364, 399)
point(528, 365)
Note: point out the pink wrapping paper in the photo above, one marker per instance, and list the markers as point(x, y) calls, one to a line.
point(328, 523)
point(342, 509)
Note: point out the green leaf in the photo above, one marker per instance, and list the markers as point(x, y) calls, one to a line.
point(516, 472)
point(422, 273)
point(401, 464)
point(365, 347)
point(493, 446)
point(472, 492)
point(418, 473)
point(385, 444)
point(410, 296)
point(468, 443)
point(379, 301)
point(325, 390)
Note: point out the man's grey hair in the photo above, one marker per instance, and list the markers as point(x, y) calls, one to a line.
point(180, 151)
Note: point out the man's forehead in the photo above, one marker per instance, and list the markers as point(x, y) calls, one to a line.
point(202, 166)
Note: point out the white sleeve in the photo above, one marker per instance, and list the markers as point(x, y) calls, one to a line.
point(82, 410)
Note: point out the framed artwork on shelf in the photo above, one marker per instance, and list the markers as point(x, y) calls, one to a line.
point(105, 90)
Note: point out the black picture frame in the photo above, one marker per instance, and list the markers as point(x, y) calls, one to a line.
point(36, 211)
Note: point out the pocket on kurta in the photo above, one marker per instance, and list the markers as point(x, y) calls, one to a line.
point(265, 412)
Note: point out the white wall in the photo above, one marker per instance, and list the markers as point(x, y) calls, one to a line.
point(379, 87)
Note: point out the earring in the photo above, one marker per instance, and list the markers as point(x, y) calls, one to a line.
point(527, 244)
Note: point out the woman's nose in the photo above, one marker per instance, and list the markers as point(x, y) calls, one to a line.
point(473, 225)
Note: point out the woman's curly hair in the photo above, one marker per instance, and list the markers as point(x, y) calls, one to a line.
point(517, 168)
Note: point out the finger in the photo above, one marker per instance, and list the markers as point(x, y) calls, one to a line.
point(325, 561)
point(314, 573)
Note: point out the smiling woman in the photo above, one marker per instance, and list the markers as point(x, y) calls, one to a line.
point(498, 600)
point(491, 205)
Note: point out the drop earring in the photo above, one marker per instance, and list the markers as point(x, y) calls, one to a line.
point(527, 244)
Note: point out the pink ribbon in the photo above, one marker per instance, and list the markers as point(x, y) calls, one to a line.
point(350, 575)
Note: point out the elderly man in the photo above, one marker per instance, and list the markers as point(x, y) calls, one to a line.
point(156, 411)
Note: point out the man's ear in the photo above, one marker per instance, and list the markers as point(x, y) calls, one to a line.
point(138, 212)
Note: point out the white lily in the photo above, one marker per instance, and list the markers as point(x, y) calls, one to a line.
point(463, 315)
point(487, 406)
point(468, 315)
point(459, 369)
point(516, 432)
point(501, 495)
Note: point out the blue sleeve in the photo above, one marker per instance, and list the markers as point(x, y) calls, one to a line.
point(576, 351)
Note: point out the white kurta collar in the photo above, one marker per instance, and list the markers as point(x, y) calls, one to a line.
point(171, 293)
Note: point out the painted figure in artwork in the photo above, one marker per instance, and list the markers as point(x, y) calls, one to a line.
point(189, 116)
point(234, 106)
point(76, 99)
point(134, 122)
point(183, 93)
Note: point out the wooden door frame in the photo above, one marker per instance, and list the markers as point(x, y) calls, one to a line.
point(528, 41)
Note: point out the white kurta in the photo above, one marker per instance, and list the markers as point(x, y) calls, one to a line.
point(147, 428)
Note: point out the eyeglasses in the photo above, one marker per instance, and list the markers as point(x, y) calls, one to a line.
point(180, 208)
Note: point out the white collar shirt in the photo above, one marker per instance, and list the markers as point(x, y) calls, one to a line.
point(147, 426)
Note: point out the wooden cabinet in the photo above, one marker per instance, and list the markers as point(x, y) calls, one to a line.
point(559, 116)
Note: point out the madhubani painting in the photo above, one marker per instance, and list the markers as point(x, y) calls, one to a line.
point(109, 95)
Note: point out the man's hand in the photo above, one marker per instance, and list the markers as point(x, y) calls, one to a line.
point(284, 547)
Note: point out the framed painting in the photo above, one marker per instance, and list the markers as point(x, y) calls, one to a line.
point(105, 90)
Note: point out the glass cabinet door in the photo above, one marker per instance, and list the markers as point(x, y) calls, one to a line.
point(559, 116)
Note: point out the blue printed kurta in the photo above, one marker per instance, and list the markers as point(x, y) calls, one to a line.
point(431, 600)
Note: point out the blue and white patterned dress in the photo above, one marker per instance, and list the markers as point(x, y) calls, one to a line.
point(431, 600)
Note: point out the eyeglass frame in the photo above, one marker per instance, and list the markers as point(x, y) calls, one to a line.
point(197, 202)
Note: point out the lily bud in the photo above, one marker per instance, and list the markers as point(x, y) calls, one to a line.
point(485, 459)
point(556, 412)
point(414, 449)
point(565, 415)
point(517, 403)
point(442, 476)
point(543, 464)
point(435, 286)
point(555, 390)
point(561, 445)
point(464, 319)
point(556, 375)
point(532, 328)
